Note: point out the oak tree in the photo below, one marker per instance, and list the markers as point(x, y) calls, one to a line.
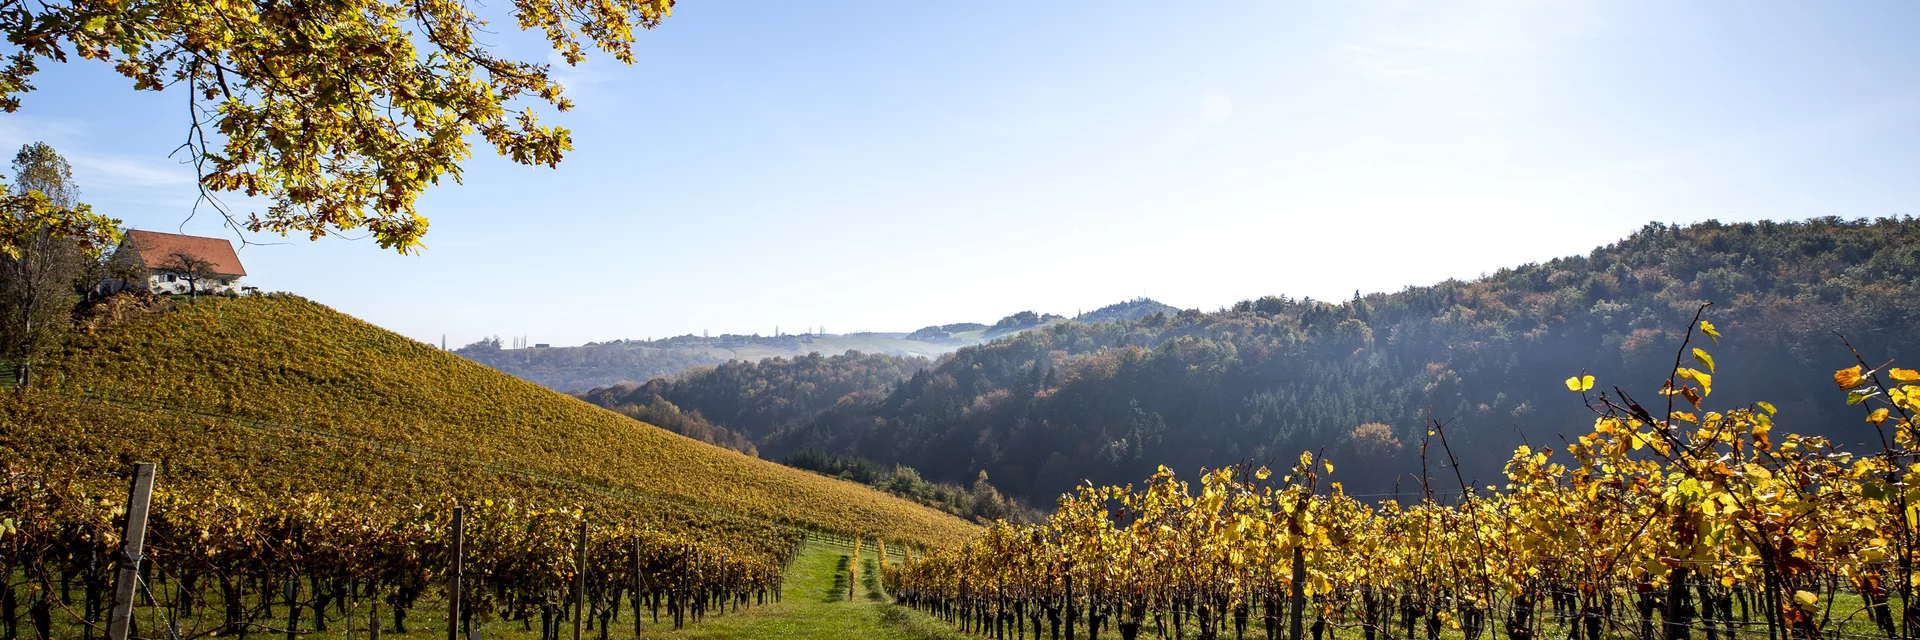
point(337, 113)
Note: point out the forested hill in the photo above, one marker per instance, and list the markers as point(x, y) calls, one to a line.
point(1268, 378)
point(736, 403)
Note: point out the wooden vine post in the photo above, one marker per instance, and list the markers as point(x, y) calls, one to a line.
point(455, 571)
point(1298, 600)
point(580, 581)
point(637, 584)
point(353, 591)
point(132, 544)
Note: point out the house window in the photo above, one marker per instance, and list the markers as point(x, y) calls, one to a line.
point(170, 277)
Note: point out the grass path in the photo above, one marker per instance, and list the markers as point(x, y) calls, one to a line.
point(814, 606)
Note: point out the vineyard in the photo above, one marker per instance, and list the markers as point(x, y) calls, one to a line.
point(214, 564)
point(277, 395)
point(1668, 520)
point(310, 469)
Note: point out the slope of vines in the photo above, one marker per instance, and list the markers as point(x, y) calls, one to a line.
point(277, 395)
point(1661, 522)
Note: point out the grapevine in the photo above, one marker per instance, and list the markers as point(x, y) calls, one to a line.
point(1662, 522)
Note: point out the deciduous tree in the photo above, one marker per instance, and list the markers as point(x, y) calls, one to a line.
point(339, 114)
point(191, 268)
point(47, 242)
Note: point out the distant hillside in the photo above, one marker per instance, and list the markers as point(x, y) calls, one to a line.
point(737, 403)
point(1044, 410)
point(1134, 309)
point(604, 364)
point(270, 396)
point(946, 332)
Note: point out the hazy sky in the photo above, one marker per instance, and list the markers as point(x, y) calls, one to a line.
point(892, 164)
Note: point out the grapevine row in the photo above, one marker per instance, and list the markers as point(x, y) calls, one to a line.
point(217, 563)
point(1667, 520)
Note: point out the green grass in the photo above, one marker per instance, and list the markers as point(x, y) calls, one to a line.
point(815, 607)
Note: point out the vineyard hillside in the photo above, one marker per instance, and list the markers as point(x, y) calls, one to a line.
point(278, 395)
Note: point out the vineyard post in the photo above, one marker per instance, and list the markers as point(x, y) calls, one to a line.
point(352, 606)
point(580, 581)
point(1298, 599)
point(139, 498)
point(454, 575)
point(636, 588)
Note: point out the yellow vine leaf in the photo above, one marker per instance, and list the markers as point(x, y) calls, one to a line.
point(1705, 380)
point(1848, 378)
point(1579, 383)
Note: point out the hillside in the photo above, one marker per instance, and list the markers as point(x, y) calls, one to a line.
point(1134, 309)
point(1266, 379)
point(605, 364)
point(272, 395)
point(737, 403)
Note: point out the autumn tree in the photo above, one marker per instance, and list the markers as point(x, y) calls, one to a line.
point(191, 268)
point(338, 114)
point(988, 504)
point(48, 241)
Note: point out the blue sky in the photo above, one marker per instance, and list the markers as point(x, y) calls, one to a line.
point(889, 165)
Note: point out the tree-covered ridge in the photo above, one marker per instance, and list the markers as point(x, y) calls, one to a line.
point(753, 399)
point(945, 331)
point(1129, 310)
point(1046, 409)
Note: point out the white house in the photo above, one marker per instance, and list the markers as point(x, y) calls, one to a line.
point(177, 263)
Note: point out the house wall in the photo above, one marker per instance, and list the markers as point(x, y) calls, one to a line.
point(157, 283)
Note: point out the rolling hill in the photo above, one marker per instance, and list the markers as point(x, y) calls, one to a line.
point(1045, 410)
point(753, 399)
point(277, 395)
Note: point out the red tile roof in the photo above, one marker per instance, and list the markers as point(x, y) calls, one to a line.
point(156, 250)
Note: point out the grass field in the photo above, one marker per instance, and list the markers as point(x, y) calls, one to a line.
point(815, 607)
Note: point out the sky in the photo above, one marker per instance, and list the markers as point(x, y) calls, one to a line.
point(890, 165)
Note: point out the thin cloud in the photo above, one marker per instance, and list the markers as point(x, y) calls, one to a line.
point(93, 170)
point(110, 170)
